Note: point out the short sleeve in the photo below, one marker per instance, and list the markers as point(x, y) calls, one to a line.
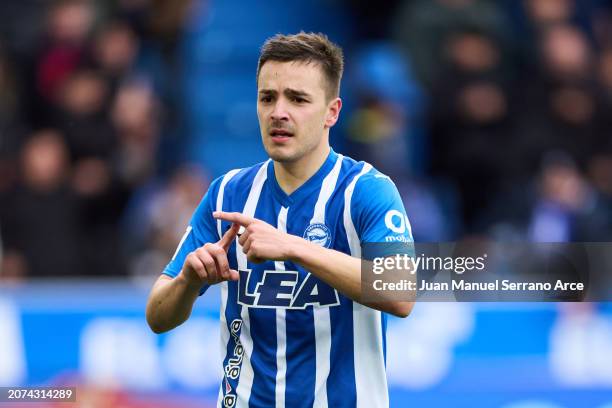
point(378, 212)
point(201, 229)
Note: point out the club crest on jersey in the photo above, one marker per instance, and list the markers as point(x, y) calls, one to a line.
point(319, 234)
point(280, 289)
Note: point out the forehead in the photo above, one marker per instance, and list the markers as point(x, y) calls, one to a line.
point(307, 76)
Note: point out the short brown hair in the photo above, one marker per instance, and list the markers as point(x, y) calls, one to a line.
point(306, 47)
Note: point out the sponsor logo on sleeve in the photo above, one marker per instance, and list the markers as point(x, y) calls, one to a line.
point(398, 223)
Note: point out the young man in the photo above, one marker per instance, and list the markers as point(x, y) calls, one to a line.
point(282, 239)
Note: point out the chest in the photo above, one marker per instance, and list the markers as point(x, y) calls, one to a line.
point(287, 284)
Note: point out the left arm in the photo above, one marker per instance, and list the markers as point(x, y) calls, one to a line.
point(342, 272)
point(261, 241)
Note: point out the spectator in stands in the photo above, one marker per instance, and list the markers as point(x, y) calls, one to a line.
point(134, 117)
point(422, 28)
point(471, 121)
point(562, 109)
point(567, 208)
point(69, 26)
point(39, 217)
point(115, 49)
point(81, 113)
point(10, 120)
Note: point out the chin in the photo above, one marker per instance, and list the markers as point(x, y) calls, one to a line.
point(281, 155)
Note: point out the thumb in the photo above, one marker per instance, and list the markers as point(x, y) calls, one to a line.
point(229, 237)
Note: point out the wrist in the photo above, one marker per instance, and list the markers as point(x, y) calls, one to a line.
point(295, 248)
point(189, 283)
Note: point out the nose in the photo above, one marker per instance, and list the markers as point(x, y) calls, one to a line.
point(280, 110)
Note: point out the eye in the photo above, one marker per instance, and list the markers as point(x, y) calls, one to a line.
point(298, 99)
point(265, 99)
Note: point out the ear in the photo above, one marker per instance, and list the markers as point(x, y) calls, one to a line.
point(333, 112)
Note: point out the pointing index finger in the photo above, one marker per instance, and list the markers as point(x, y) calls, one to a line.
point(229, 237)
point(234, 217)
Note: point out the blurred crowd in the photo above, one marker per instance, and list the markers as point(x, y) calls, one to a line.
point(494, 117)
point(86, 104)
point(508, 102)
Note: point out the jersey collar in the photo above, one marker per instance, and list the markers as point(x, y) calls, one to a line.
point(310, 185)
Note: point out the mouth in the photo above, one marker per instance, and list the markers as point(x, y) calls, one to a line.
point(280, 135)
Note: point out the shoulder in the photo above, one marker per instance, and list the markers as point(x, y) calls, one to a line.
point(239, 179)
point(372, 179)
point(374, 189)
point(364, 180)
point(226, 188)
point(236, 179)
point(376, 208)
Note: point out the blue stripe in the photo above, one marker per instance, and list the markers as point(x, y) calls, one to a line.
point(263, 321)
point(239, 186)
point(341, 388)
point(263, 359)
point(301, 358)
point(383, 321)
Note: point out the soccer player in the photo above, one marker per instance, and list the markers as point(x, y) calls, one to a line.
point(282, 240)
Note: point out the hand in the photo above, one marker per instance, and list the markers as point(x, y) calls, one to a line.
point(208, 264)
point(260, 241)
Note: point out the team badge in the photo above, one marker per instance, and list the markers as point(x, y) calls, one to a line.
point(319, 234)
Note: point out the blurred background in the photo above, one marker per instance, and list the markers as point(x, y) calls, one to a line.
point(494, 118)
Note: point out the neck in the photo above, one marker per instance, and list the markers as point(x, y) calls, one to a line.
point(290, 176)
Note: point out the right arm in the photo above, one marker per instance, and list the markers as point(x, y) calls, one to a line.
point(170, 303)
point(171, 299)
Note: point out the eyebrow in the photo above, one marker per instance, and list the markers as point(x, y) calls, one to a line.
point(295, 92)
point(290, 92)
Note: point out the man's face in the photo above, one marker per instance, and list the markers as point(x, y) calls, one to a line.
point(293, 110)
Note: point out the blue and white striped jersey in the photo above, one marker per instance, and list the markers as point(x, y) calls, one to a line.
point(287, 338)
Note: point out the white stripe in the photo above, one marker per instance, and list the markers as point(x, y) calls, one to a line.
point(281, 328)
point(281, 357)
point(219, 206)
point(245, 382)
point(351, 233)
point(327, 188)
point(370, 377)
point(225, 334)
point(322, 323)
point(180, 244)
